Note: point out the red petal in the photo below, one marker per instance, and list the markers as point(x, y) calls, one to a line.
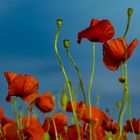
point(98, 31)
point(131, 47)
point(10, 76)
point(115, 48)
point(110, 56)
point(94, 22)
point(23, 86)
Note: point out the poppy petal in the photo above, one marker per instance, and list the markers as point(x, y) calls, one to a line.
point(115, 48)
point(98, 31)
point(131, 47)
point(109, 61)
point(10, 76)
point(83, 34)
point(45, 102)
point(94, 22)
point(23, 86)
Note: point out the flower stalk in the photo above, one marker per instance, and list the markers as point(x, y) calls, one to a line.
point(89, 88)
point(65, 75)
point(78, 72)
point(126, 96)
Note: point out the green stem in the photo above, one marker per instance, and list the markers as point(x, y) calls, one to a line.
point(17, 117)
point(89, 89)
point(127, 26)
point(126, 70)
point(124, 103)
point(130, 116)
point(55, 129)
point(126, 88)
point(78, 72)
point(129, 105)
point(66, 79)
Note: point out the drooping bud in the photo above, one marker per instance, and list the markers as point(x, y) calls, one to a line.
point(66, 43)
point(59, 23)
point(121, 79)
point(98, 98)
point(130, 11)
point(118, 104)
point(64, 100)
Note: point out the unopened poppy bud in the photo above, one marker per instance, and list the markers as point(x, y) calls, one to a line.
point(97, 98)
point(118, 104)
point(121, 79)
point(66, 129)
point(130, 11)
point(59, 23)
point(64, 100)
point(66, 43)
point(46, 136)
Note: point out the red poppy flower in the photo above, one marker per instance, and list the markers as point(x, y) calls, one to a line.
point(29, 120)
point(110, 126)
point(72, 132)
point(60, 121)
point(23, 86)
point(136, 126)
point(6, 120)
point(33, 132)
point(45, 102)
point(114, 53)
point(69, 106)
point(10, 131)
point(98, 117)
point(81, 110)
point(98, 132)
point(98, 31)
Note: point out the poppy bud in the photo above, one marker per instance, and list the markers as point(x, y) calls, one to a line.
point(121, 79)
point(59, 23)
point(130, 12)
point(46, 136)
point(98, 98)
point(118, 104)
point(64, 100)
point(66, 43)
point(66, 128)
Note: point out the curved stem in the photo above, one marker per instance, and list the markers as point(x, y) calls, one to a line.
point(66, 79)
point(126, 88)
point(130, 116)
point(78, 72)
point(127, 26)
point(89, 88)
point(129, 105)
point(120, 119)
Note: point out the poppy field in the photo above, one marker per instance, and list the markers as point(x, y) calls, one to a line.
point(75, 119)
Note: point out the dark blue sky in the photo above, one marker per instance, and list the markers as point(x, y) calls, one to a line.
point(27, 31)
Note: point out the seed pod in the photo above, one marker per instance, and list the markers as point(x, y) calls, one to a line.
point(118, 104)
point(130, 11)
point(66, 43)
point(121, 79)
point(59, 23)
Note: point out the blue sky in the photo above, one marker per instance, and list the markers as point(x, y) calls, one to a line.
point(27, 31)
